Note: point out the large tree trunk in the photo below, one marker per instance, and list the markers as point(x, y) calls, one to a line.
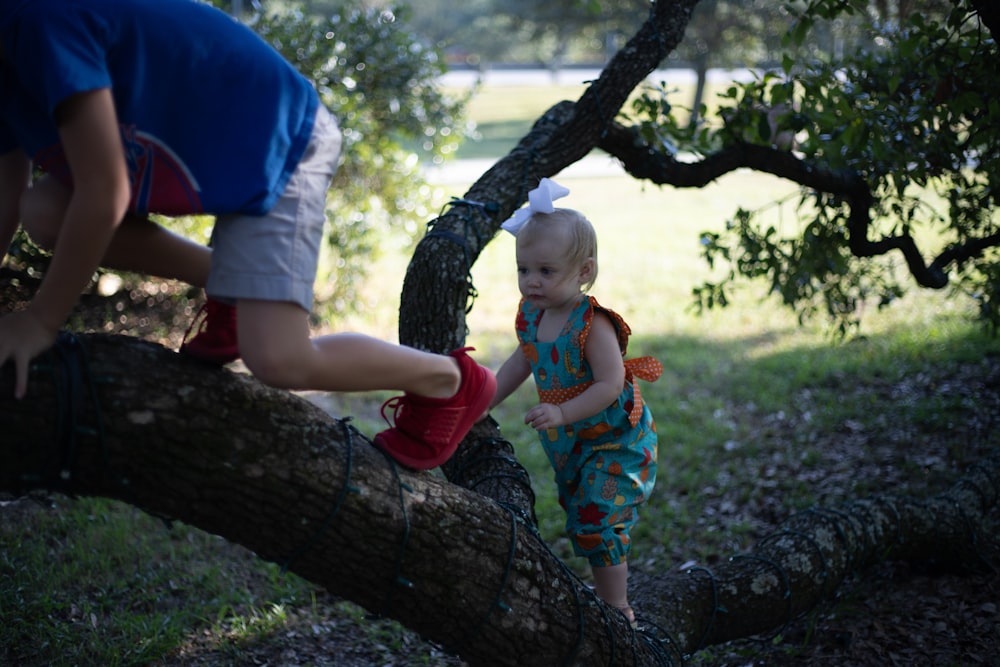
point(270, 471)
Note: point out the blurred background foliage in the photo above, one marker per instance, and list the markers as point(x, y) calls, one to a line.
point(900, 91)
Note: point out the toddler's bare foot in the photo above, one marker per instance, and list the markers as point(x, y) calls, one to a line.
point(629, 614)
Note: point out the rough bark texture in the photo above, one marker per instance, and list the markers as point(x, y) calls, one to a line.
point(808, 556)
point(270, 471)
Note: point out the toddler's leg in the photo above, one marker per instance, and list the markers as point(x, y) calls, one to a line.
point(611, 585)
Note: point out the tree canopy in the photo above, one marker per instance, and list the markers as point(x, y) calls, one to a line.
point(894, 147)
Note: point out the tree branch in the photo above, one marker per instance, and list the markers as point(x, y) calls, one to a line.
point(270, 471)
point(644, 162)
point(436, 290)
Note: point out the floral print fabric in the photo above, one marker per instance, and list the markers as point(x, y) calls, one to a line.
point(605, 466)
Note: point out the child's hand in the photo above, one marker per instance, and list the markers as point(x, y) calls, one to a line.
point(22, 338)
point(543, 416)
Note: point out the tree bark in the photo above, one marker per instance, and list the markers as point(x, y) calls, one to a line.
point(270, 471)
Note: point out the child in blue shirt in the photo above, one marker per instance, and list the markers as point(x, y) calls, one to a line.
point(132, 107)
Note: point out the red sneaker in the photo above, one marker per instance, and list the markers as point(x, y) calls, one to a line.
point(429, 430)
point(215, 334)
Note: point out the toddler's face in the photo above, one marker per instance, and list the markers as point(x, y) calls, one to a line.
point(545, 276)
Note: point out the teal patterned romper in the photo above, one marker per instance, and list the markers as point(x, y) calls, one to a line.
point(605, 466)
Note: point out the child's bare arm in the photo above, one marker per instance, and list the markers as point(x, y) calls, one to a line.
point(605, 359)
point(510, 376)
point(91, 139)
point(88, 130)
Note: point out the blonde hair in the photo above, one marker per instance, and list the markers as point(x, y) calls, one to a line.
point(581, 239)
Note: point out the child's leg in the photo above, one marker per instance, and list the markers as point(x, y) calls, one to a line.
point(611, 585)
point(145, 247)
point(138, 245)
point(444, 394)
point(276, 346)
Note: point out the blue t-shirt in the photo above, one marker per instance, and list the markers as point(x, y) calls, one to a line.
point(213, 119)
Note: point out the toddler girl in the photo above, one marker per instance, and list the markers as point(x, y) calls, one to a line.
point(596, 430)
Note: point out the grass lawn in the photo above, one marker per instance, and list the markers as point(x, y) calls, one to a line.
point(753, 409)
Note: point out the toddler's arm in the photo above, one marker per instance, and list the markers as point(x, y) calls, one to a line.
point(605, 358)
point(511, 374)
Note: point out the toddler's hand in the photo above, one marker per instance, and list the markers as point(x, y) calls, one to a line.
point(543, 416)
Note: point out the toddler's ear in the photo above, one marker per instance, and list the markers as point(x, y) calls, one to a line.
point(587, 270)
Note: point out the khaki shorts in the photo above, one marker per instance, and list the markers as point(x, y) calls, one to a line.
point(274, 257)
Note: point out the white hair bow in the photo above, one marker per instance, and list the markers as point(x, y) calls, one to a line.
point(539, 201)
